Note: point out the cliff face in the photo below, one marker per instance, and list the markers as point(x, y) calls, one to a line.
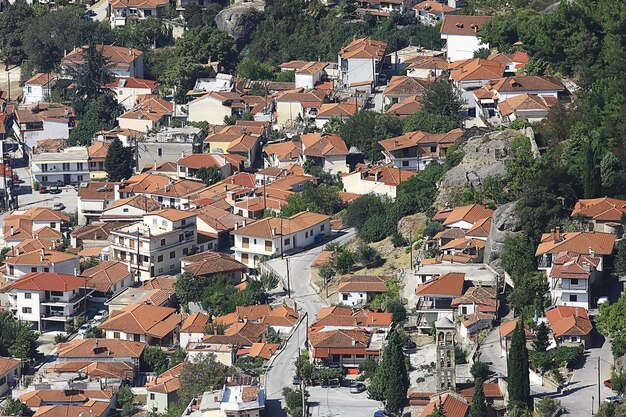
point(232, 20)
point(485, 155)
point(504, 222)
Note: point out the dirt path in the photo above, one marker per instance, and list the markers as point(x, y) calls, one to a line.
point(14, 76)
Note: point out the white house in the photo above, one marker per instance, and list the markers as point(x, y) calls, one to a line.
point(571, 279)
point(427, 67)
point(298, 105)
point(360, 63)
point(327, 151)
point(462, 35)
point(124, 62)
point(146, 323)
point(432, 12)
point(375, 179)
point(48, 300)
point(42, 121)
point(93, 198)
point(464, 217)
point(310, 74)
point(221, 82)
point(215, 106)
point(122, 10)
point(41, 261)
point(341, 111)
point(128, 89)
point(193, 329)
point(10, 373)
point(275, 236)
point(71, 166)
point(356, 290)
point(38, 87)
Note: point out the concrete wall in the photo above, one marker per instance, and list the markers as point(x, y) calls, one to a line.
point(462, 46)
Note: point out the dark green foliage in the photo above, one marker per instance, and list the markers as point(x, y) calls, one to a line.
point(391, 380)
point(177, 357)
point(155, 359)
point(14, 21)
point(254, 70)
point(611, 322)
point(12, 407)
point(145, 34)
point(125, 400)
point(397, 309)
point(210, 175)
point(546, 407)
point(556, 358)
point(443, 100)
point(189, 287)
point(362, 209)
point(249, 363)
point(366, 128)
point(429, 122)
point(368, 367)
point(16, 338)
point(438, 411)
point(460, 355)
point(480, 370)
point(368, 256)
point(432, 228)
point(293, 401)
point(321, 199)
point(90, 77)
point(531, 293)
point(205, 373)
point(518, 255)
point(94, 333)
point(119, 161)
point(97, 115)
point(518, 369)
point(479, 402)
point(542, 342)
point(611, 410)
point(344, 263)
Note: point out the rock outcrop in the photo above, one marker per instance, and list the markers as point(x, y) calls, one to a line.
point(485, 155)
point(232, 20)
point(407, 226)
point(504, 222)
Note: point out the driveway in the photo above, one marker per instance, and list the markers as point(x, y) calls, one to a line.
point(280, 374)
point(28, 198)
point(100, 8)
point(336, 402)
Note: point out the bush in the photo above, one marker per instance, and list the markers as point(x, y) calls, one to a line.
point(60, 338)
point(460, 355)
point(36, 185)
point(397, 240)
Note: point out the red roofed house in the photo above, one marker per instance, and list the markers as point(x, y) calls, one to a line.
point(38, 87)
point(375, 179)
point(341, 111)
point(42, 121)
point(344, 347)
point(48, 300)
point(432, 12)
point(108, 278)
point(571, 325)
point(454, 405)
point(601, 214)
point(128, 89)
point(413, 151)
point(193, 329)
point(144, 323)
point(462, 35)
point(327, 151)
point(125, 62)
point(213, 107)
point(303, 104)
point(360, 63)
point(97, 153)
point(163, 390)
point(355, 290)
point(465, 217)
point(10, 372)
point(436, 297)
point(572, 278)
point(134, 10)
point(188, 165)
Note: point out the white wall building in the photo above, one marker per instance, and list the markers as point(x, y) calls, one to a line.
point(462, 35)
point(71, 166)
point(360, 62)
point(38, 88)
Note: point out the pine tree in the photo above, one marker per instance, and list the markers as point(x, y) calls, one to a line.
point(119, 161)
point(518, 369)
point(479, 403)
point(92, 75)
point(542, 342)
point(592, 179)
point(391, 381)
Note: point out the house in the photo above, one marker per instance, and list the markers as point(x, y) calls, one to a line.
point(93, 236)
point(155, 245)
point(42, 121)
point(541, 89)
point(217, 224)
point(10, 373)
point(454, 405)
point(242, 334)
point(376, 179)
point(360, 63)
point(49, 397)
point(149, 113)
point(298, 105)
point(426, 67)
point(282, 154)
point(432, 12)
point(512, 62)
point(144, 323)
point(600, 214)
point(413, 151)
point(572, 279)
point(43, 260)
point(33, 223)
point(221, 82)
point(506, 332)
point(275, 236)
point(339, 111)
point(531, 107)
point(108, 278)
point(160, 297)
point(472, 74)
point(328, 151)
point(162, 189)
point(163, 390)
point(238, 143)
point(129, 209)
point(462, 35)
point(263, 350)
point(571, 325)
point(225, 353)
point(401, 87)
point(469, 248)
point(124, 62)
point(97, 154)
point(361, 289)
point(193, 329)
point(339, 317)
point(407, 107)
point(477, 308)
point(213, 107)
point(93, 198)
point(207, 264)
point(127, 90)
point(307, 73)
point(48, 300)
point(343, 347)
point(436, 296)
point(465, 217)
point(71, 166)
point(595, 244)
point(94, 408)
point(240, 397)
point(38, 88)
point(168, 144)
point(188, 165)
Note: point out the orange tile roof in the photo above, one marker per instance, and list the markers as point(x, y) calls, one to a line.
point(491, 390)
point(450, 284)
point(109, 369)
point(577, 242)
point(39, 398)
point(100, 348)
point(363, 283)
point(454, 405)
point(263, 350)
point(364, 48)
point(243, 143)
point(145, 319)
point(36, 258)
point(284, 151)
point(6, 364)
point(336, 109)
point(199, 160)
point(105, 275)
point(603, 209)
point(195, 323)
point(40, 78)
point(119, 56)
point(96, 190)
point(340, 338)
point(171, 214)
point(568, 265)
point(481, 228)
point(525, 83)
point(316, 144)
point(433, 7)
point(463, 243)
point(139, 201)
point(160, 283)
point(132, 82)
point(417, 138)
point(168, 381)
point(484, 298)
point(212, 263)
point(475, 69)
point(427, 62)
point(91, 408)
point(402, 85)
point(470, 214)
point(463, 25)
point(387, 174)
point(98, 150)
point(48, 281)
point(569, 321)
point(281, 316)
point(526, 102)
point(406, 107)
point(265, 228)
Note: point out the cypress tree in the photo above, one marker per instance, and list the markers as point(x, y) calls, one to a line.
point(119, 161)
point(542, 342)
point(518, 369)
point(479, 403)
point(391, 381)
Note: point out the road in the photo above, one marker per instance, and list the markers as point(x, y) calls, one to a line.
point(28, 198)
point(280, 374)
point(100, 8)
point(338, 402)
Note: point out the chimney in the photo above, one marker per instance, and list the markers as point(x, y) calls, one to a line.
point(236, 226)
point(225, 187)
point(552, 233)
point(129, 271)
point(353, 342)
point(558, 233)
point(43, 252)
point(586, 266)
point(154, 168)
point(244, 223)
point(17, 252)
point(274, 231)
point(75, 272)
point(576, 311)
point(12, 231)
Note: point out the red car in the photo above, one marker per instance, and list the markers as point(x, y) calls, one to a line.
point(43, 190)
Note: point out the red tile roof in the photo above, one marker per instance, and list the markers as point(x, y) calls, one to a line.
point(470, 214)
point(316, 144)
point(100, 348)
point(577, 242)
point(48, 281)
point(364, 48)
point(450, 284)
point(145, 319)
point(603, 209)
point(105, 275)
point(463, 25)
point(363, 283)
point(454, 405)
point(569, 321)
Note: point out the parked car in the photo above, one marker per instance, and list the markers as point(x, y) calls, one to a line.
point(382, 413)
point(56, 190)
point(84, 328)
point(58, 206)
point(331, 383)
point(296, 380)
point(613, 399)
point(43, 190)
point(357, 388)
point(100, 315)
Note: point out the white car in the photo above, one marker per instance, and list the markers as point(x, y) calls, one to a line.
point(84, 328)
point(100, 315)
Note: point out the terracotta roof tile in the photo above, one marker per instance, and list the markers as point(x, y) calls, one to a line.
point(364, 48)
point(577, 242)
point(171, 214)
point(105, 275)
point(91, 408)
point(363, 283)
point(263, 350)
point(284, 151)
point(315, 144)
point(602, 209)
point(48, 281)
point(387, 174)
point(8, 363)
point(450, 284)
point(265, 228)
point(145, 319)
point(463, 25)
point(469, 214)
point(100, 348)
point(195, 323)
point(454, 405)
point(569, 321)
point(402, 85)
point(39, 398)
point(419, 138)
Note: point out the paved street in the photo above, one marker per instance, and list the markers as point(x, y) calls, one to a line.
point(27, 197)
point(336, 402)
point(281, 372)
point(101, 10)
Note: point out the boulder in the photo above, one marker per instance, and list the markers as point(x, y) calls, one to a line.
point(408, 225)
point(504, 222)
point(232, 19)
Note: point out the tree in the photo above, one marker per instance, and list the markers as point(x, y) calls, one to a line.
point(482, 53)
point(125, 400)
point(620, 258)
point(344, 262)
point(189, 287)
point(531, 293)
point(364, 129)
point(518, 255)
point(438, 411)
point(391, 381)
point(304, 367)
point(17, 338)
point(546, 407)
point(611, 410)
point(442, 99)
point(177, 357)
point(321, 199)
point(119, 161)
point(12, 407)
point(155, 359)
point(269, 280)
point(397, 310)
point(146, 34)
point(91, 76)
point(480, 370)
point(518, 369)
point(367, 255)
point(210, 175)
point(203, 374)
point(542, 342)
point(479, 402)
point(254, 70)
point(429, 122)
point(13, 25)
point(611, 322)
point(99, 114)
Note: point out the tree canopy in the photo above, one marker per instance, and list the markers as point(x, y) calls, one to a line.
point(119, 161)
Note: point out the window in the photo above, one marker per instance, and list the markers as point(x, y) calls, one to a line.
point(28, 295)
point(79, 166)
point(287, 241)
point(172, 266)
point(160, 258)
point(181, 237)
point(131, 242)
point(245, 242)
point(345, 297)
point(573, 281)
point(33, 269)
point(573, 297)
point(172, 254)
point(160, 270)
point(164, 223)
point(121, 241)
point(66, 166)
point(125, 210)
point(162, 242)
point(44, 168)
point(183, 222)
point(322, 227)
point(244, 258)
point(405, 163)
point(56, 293)
point(151, 396)
point(27, 310)
point(360, 356)
point(433, 148)
point(306, 235)
point(463, 310)
point(53, 225)
point(574, 339)
point(46, 269)
point(185, 251)
point(268, 246)
point(160, 152)
point(137, 338)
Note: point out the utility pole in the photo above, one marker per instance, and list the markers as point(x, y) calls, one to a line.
point(288, 282)
point(599, 383)
point(411, 250)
